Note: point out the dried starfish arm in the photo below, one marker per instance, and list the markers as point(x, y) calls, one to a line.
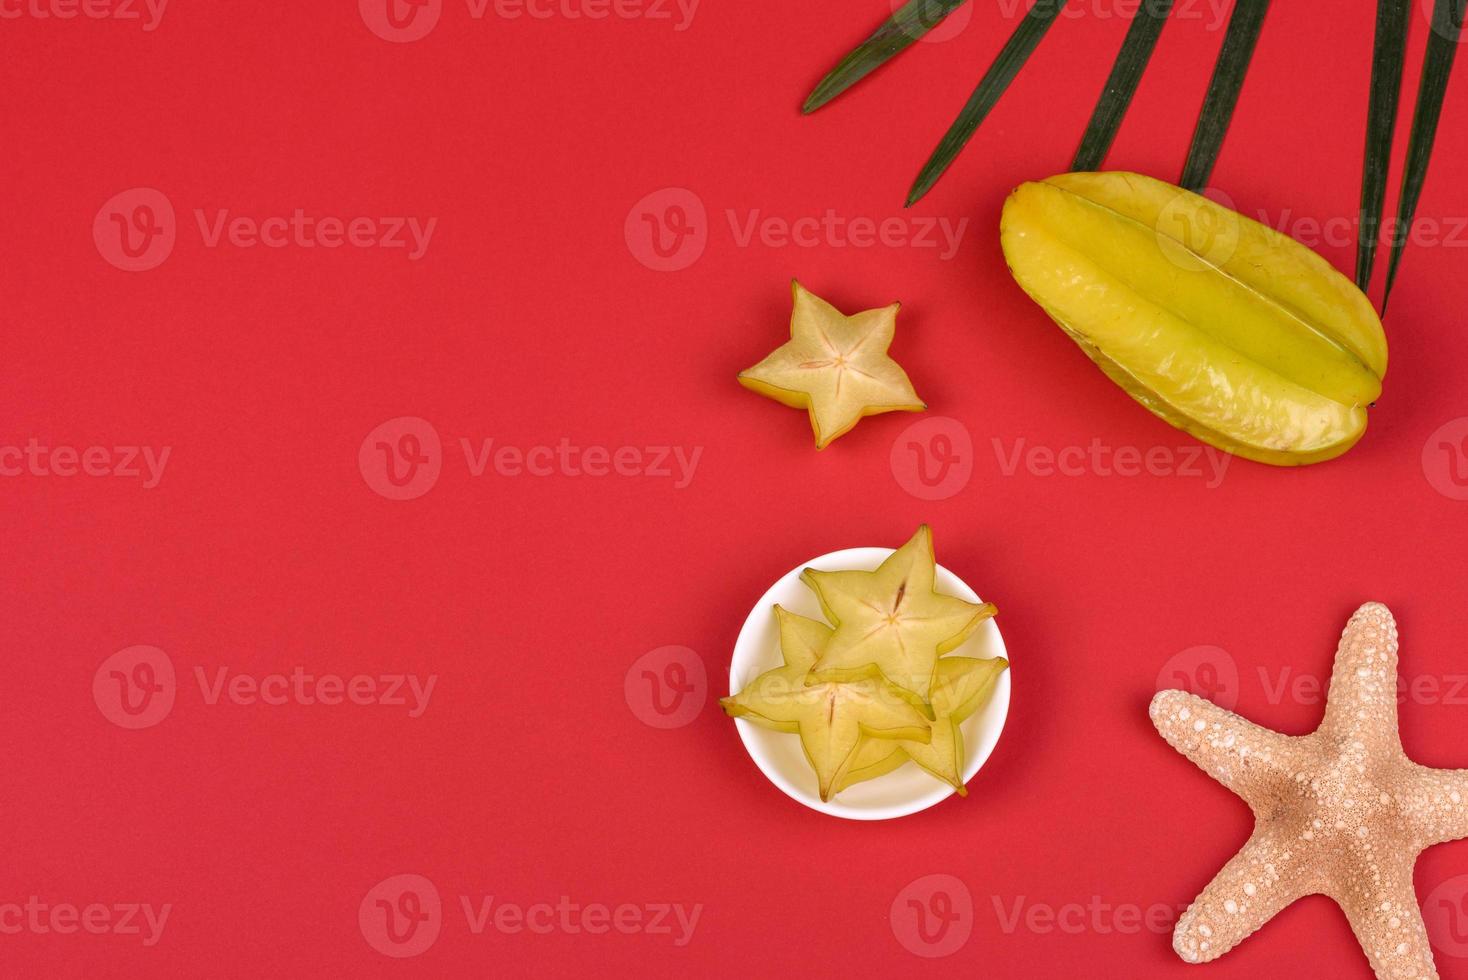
point(1437, 800)
point(1265, 876)
point(1231, 749)
point(1382, 909)
point(1362, 703)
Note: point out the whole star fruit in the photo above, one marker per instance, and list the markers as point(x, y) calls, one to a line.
point(1218, 324)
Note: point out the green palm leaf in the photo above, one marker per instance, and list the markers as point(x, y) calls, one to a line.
point(1011, 59)
point(1131, 62)
point(1442, 46)
point(1223, 91)
point(896, 33)
point(1387, 59)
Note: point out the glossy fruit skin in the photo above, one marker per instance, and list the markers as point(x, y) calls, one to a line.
point(1221, 326)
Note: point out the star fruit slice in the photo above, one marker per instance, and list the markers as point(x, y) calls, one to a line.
point(835, 366)
point(831, 718)
point(892, 619)
point(961, 685)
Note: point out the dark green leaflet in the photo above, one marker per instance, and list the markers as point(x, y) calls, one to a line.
point(1223, 91)
point(1131, 62)
point(1011, 59)
point(1387, 59)
point(915, 19)
point(1442, 45)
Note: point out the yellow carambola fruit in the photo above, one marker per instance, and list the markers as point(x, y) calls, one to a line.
point(892, 618)
point(961, 685)
point(1219, 325)
point(835, 367)
point(831, 718)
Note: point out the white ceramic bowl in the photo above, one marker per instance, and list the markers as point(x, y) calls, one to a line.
point(905, 790)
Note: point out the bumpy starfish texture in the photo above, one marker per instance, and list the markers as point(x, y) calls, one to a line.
point(892, 619)
point(1340, 812)
point(835, 366)
point(830, 718)
point(960, 686)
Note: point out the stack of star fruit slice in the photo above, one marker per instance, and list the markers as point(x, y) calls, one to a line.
point(873, 691)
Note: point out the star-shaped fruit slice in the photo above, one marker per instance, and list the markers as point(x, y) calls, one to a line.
point(1340, 812)
point(831, 718)
point(835, 366)
point(961, 685)
point(892, 619)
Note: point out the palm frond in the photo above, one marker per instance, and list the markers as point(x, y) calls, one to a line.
point(1223, 91)
point(896, 33)
point(1387, 58)
point(1131, 62)
point(1011, 59)
point(1442, 46)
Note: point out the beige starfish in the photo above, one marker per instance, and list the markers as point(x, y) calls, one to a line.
point(1340, 812)
point(835, 366)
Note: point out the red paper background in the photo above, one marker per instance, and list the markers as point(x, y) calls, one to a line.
point(530, 320)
